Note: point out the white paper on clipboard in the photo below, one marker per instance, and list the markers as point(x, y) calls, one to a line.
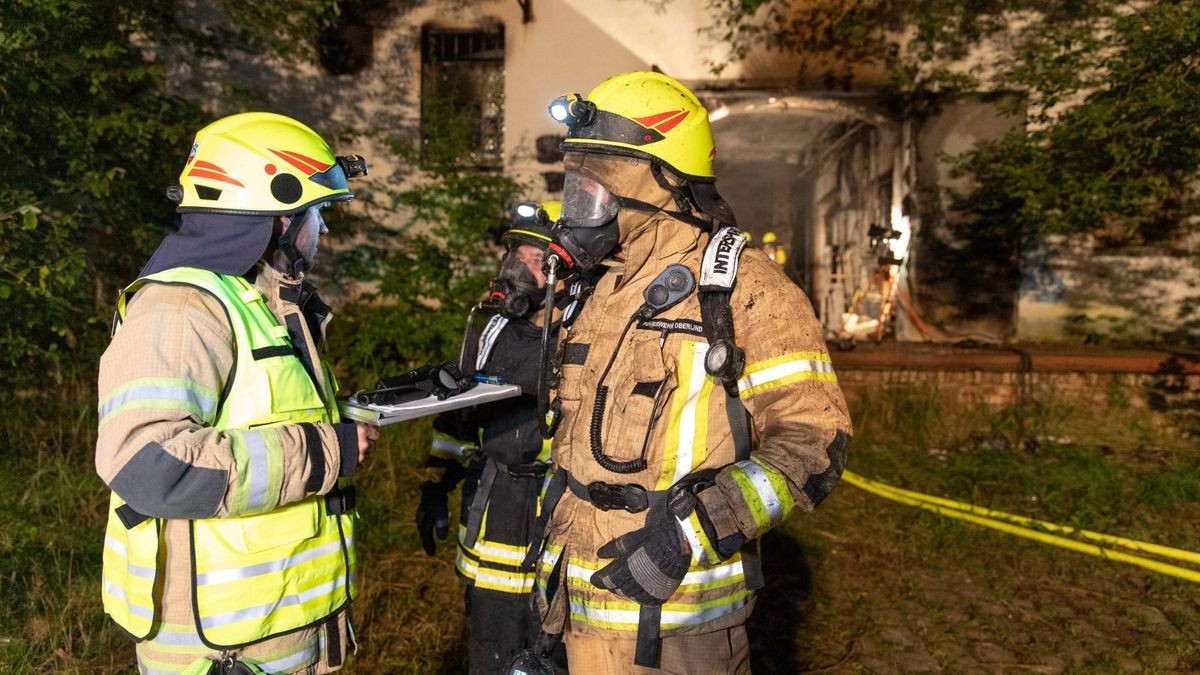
point(383, 415)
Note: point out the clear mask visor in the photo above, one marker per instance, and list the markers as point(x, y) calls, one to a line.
point(586, 202)
point(523, 265)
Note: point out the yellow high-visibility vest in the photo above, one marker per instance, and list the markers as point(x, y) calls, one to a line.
point(254, 575)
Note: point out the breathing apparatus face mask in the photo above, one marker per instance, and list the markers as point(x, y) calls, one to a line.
point(587, 229)
point(298, 244)
point(518, 287)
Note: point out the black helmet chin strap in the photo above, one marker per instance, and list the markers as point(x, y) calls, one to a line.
point(296, 264)
point(686, 204)
point(685, 216)
point(683, 201)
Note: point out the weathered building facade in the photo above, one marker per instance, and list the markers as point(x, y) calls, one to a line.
point(853, 186)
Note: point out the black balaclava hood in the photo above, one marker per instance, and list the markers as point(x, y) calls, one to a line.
point(217, 242)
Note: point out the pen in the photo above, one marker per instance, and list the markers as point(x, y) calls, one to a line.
point(489, 379)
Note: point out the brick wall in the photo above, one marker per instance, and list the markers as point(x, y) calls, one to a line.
point(1165, 386)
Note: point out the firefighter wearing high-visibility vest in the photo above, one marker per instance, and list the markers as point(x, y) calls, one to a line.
point(696, 407)
point(230, 537)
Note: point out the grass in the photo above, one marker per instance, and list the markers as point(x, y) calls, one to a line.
point(1100, 470)
point(859, 584)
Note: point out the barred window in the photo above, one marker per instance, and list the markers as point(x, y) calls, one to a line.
point(462, 93)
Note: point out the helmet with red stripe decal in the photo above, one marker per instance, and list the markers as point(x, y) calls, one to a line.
point(262, 163)
point(643, 114)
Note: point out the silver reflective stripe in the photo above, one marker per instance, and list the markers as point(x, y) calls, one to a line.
point(685, 426)
point(700, 576)
point(238, 573)
point(720, 572)
point(497, 552)
point(522, 585)
point(135, 570)
point(707, 614)
point(487, 340)
point(550, 557)
point(116, 546)
point(693, 538)
point(628, 617)
point(670, 617)
point(257, 449)
point(305, 657)
point(119, 593)
point(783, 370)
point(762, 485)
point(257, 612)
point(205, 405)
point(180, 638)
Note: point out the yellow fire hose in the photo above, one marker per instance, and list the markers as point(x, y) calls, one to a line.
point(1038, 530)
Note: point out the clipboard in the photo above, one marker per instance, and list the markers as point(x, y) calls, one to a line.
point(383, 415)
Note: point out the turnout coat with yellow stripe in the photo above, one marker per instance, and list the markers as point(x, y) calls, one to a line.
point(662, 402)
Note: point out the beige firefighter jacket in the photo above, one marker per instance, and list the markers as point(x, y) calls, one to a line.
point(163, 461)
point(661, 399)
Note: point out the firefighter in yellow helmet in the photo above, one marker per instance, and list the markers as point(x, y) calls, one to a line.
point(695, 405)
point(495, 450)
point(770, 246)
point(230, 538)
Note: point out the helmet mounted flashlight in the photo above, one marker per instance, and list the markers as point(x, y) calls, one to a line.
point(354, 166)
point(525, 211)
point(573, 110)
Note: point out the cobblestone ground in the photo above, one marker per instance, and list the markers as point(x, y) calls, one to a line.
point(865, 585)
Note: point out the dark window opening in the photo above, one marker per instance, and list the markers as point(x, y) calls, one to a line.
point(347, 47)
point(547, 149)
point(462, 94)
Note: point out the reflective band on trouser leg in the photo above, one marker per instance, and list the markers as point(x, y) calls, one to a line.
point(263, 575)
point(706, 594)
point(465, 565)
point(786, 369)
point(466, 560)
point(765, 491)
point(159, 393)
point(686, 444)
point(499, 554)
point(495, 567)
point(130, 561)
point(503, 581)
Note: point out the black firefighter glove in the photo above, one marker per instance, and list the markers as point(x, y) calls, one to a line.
point(433, 512)
point(650, 562)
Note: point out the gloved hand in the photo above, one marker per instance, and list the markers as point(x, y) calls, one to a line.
point(649, 563)
point(433, 515)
